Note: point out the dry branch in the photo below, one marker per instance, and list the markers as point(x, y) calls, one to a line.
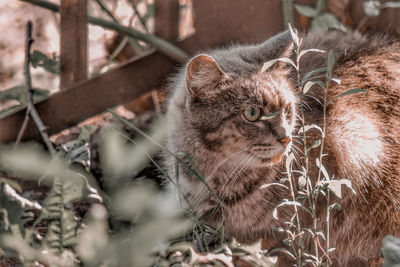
point(29, 98)
point(163, 46)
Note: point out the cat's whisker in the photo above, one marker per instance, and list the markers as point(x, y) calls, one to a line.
point(233, 171)
point(237, 175)
point(226, 159)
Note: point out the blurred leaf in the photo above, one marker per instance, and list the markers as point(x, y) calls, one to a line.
point(19, 93)
point(335, 206)
point(371, 8)
point(391, 251)
point(14, 93)
point(306, 10)
point(63, 230)
point(14, 184)
point(326, 21)
point(31, 162)
point(349, 92)
point(336, 80)
point(38, 59)
point(390, 4)
point(94, 236)
point(79, 150)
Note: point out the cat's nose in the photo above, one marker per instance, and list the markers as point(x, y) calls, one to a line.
point(285, 141)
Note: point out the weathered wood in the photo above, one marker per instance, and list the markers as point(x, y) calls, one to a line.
point(91, 97)
point(167, 19)
point(73, 42)
point(225, 21)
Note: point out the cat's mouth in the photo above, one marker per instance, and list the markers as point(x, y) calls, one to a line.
point(271, 153)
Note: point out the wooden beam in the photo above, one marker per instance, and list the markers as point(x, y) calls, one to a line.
point(166, 19)
point(68, 107)
point(73, 42)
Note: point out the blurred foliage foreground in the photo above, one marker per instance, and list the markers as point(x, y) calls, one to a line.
point(81, 220)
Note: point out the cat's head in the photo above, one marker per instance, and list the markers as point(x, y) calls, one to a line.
point(248, 118)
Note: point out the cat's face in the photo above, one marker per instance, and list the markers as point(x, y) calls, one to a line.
point(247, 119)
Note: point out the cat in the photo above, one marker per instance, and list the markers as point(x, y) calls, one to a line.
point(214, 112)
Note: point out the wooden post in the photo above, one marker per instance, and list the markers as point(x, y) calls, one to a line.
point(73, 43)
point(166, 19)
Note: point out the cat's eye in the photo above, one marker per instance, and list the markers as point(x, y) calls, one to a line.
point(252, 113)
point(288, 111)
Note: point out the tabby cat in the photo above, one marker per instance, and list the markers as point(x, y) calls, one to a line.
point(214, 111)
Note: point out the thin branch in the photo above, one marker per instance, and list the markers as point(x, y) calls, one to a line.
point(28, 86)
point(105, 9)
point(163, 46)
point(134, 6)
point(23, 127)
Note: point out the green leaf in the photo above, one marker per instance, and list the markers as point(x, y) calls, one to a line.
point(19, 93)
point(287, 202)
point(303, 52)
point(295, 37)
point(323, 170)
point(267, 65)
point(331, 62)
point(309, 127)
point(335, 206)
point(308, 74)
point(315, 144)
point(306, 10)
point(335, 186)
point(271, 115)
point(336, 80)
point(307, 86)
point(349, 92)
point(271, 184)
point(38, 59)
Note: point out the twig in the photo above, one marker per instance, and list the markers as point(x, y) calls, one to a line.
point(28, 86)
point(23, 127)
point(134, 6)
point(105, 9)
point(163, 46)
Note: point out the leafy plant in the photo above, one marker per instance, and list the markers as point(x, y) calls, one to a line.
point(306, 191)
point(140, 218)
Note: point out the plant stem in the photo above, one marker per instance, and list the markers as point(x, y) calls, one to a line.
point(28, 85)
point(320, 6)
point(287, 10)
point(163, 46)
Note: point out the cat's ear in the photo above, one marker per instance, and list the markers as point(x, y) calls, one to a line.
point(275, 46)
point(203, 73)
point(284, 64)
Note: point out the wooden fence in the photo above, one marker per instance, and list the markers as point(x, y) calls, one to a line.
point(216, 22)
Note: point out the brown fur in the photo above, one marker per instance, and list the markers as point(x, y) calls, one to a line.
point(234, 155)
